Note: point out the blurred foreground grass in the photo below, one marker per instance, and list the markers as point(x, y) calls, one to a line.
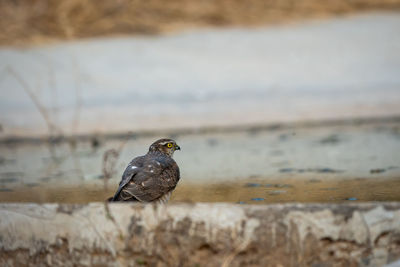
point(37, 21)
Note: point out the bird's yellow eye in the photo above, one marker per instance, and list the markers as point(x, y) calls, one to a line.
point(169, 145)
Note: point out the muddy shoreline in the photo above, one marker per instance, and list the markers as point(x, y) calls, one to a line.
point(248, 191)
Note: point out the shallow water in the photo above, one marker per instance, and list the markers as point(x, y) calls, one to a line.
point(327, 163)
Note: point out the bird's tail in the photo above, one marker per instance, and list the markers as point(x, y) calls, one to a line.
point(117, 199)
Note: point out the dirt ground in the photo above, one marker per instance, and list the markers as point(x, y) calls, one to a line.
point(37, 21)
point(254, 191)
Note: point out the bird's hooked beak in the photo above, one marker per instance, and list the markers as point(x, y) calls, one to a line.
point(177, 147)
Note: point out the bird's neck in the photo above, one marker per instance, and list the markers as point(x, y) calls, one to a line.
point(159, 153)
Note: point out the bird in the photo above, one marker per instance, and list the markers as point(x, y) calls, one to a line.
point(151, 177)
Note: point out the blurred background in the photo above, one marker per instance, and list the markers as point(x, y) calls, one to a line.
point(271, 101)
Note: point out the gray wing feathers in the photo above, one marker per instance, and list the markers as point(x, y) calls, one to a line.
point(131, 170)
point(153, 180)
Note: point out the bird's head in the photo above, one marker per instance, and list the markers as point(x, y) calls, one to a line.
point(165, 146)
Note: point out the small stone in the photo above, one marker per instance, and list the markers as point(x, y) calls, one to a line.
point(6, 190)
point(372, 171)
point(285, 170)
point(252, 185)
point(332, 139)
point(283, 186)
point(277, 192)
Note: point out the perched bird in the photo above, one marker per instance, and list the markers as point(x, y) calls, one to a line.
point(152, 177)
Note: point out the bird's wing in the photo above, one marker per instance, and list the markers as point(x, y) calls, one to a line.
point(131, 170)
point(157, 177)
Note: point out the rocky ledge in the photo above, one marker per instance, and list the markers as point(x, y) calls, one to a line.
point(217, 234)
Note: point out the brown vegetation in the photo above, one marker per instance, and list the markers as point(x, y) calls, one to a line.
point(35, 21)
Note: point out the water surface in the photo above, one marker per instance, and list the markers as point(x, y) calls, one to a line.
point(325, 163)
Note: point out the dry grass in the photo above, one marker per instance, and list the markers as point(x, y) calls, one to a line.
point(36, 21)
